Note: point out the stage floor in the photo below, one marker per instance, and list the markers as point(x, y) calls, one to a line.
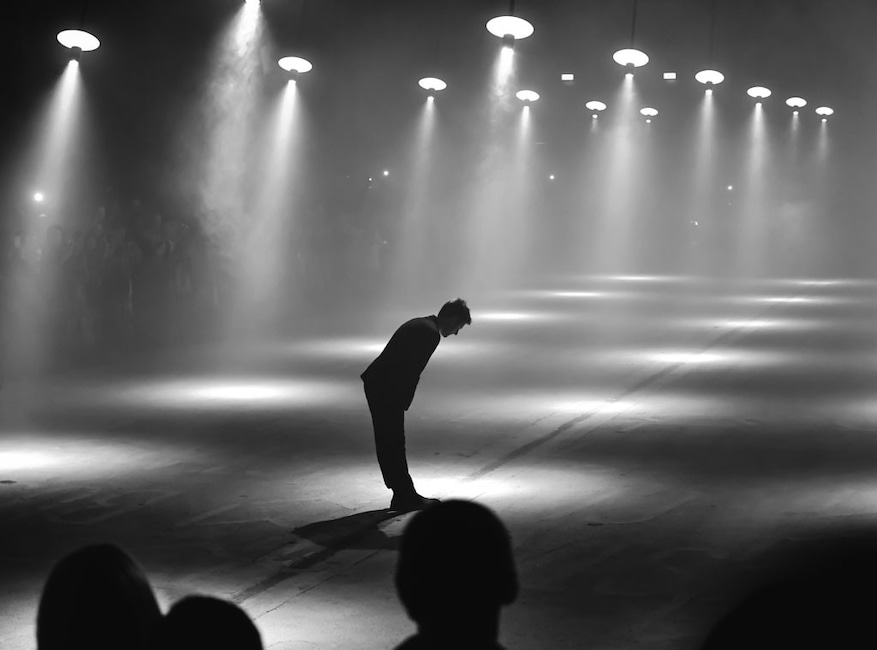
point(648, 440)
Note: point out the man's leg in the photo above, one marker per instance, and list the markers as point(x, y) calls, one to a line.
point(388, 420)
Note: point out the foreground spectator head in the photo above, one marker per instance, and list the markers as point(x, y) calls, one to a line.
point(97, 598)
point(206, 623)
point(455, 572)
point(817, 594)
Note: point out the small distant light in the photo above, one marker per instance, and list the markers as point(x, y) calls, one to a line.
point(648, 121)
point(369, 179)
point(794, 112)
point(433, 84)
point(295, 64)
point(595, 105)
point(631, 57)
point(710, 77)
point(759, 92)
point(696, 223)
point(567, 76)
point(73, 38)
point(527, 95)
point(796, 102)
point(503, 26)
point(551, 177)
point(39, 197)
point(649, 112)
point(386, 172)
point(825, 111)
point(595, 116)
point(670, 76)
point(730, 187)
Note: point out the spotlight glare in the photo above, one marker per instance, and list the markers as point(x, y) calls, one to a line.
point(630, 56)
point(670, 76)
point(594, 116)
point(39, 197)
point(796, 102)
point(503, 26)
point(825, 119)
point(595, 105)
point(649, 112)
point(567, 76)
point(433, 84)
point(551, 177)
point(527, 95)
point(710, 77)
point(71, 38)
point(758, 92)
point(295, 64)
point(825, 111)
point(386, 172)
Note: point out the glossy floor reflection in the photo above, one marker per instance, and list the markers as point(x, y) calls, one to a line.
point(645, 438)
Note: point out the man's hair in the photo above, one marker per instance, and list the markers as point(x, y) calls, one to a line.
point(456, 309)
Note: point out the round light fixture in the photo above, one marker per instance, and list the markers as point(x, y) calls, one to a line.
point(796, 102)
point(595, 105)
point(527, 95)
point(295, 64)
point(516, 28)
point(758, 92)
point(73, 38)
point(39, 197)
point(649, 112)
point(825, 111)
point(432, 84)
point(631, 57)
point(711, 77)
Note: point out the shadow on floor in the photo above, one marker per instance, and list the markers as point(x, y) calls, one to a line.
point(359, 531)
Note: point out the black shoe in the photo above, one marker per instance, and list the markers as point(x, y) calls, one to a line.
point(409, 502)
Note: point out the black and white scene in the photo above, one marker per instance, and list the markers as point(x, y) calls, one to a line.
point(420, 325)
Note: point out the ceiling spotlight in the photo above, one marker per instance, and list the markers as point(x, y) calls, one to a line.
point(432, 84)
point(630, 59)
point(509, 29)
point(39, 197)
point(567, 76)
point(551, 177)
point(758, 92)
point(649, 112)
point(825, 111)
point(76, 38)
point(595, 105)
point(669, 76)
point(527, 95)
point(295, 65)
point(386, 172)
point(796, 102)
point(710, 77)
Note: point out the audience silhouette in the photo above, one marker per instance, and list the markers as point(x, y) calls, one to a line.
point(97, 598)
point(454, 574)
point(207, 623)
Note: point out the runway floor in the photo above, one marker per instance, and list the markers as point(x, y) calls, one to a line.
point(647, 440)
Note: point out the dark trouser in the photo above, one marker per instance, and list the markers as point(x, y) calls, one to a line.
point(388, 419)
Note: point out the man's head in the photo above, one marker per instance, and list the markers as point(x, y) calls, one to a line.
point(453, 316)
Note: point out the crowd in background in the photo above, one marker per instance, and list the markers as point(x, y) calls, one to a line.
point(122, 276)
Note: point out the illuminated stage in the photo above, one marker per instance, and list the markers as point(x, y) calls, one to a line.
point(647, 439)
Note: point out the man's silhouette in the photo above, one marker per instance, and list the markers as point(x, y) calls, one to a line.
point(455, 572)
point(390, 382)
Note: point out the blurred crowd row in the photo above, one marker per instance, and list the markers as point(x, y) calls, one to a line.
point(125, 275)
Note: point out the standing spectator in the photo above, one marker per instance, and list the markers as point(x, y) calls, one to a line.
point(455, 572)
point(97, 598)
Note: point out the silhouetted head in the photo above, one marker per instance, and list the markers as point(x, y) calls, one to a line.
point(453, 316)
point(206, 623)
point(815, 594)
point(455, 559)
point(97, 598)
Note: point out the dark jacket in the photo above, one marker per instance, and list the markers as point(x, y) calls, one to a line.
point(396, 371)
